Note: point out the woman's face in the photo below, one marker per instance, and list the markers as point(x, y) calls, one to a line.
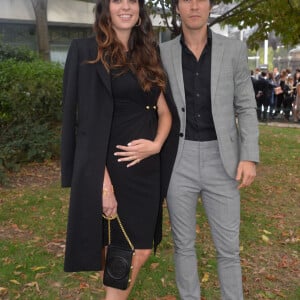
point(124, 14)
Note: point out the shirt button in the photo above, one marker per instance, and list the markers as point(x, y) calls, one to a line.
point(183, 109)
point(198, 95)
point(197, 74)
point(181, 134)
point(198, 115)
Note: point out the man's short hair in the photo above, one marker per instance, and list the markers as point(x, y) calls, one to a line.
point(175, 2)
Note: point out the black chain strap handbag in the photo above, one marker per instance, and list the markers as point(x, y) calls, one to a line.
point(118, 261)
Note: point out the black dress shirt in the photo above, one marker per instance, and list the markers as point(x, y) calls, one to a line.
point(196, 76)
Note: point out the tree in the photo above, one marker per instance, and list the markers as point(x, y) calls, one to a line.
point(40, 10)
point(279, 16)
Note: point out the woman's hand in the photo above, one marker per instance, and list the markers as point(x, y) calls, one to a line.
point(109, 202)
point(137, 150)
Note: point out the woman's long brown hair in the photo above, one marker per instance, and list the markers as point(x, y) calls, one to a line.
point(142, 57)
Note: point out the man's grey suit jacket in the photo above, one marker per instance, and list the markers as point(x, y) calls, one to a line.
point(232, 99)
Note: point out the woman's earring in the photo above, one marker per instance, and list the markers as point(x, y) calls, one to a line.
point(139, 22)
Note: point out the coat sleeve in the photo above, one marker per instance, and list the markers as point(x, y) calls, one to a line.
point(69, 123)
point(169, 149)
point(245, 107)
point(167, 159)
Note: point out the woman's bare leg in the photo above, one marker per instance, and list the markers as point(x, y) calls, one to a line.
point(140, 257)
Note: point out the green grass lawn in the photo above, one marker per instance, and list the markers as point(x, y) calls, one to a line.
point(33, 223)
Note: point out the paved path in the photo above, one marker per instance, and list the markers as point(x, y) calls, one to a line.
point(281, 124)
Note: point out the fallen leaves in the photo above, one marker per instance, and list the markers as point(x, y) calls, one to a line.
point(38, 268)
point(13, 232)
point(265, 238)
point(154, 266)
point(33, 284)
point(168, 297)
point(205, 277)
point(3, 291)
point(83, 285)
point(271, 277)
point(14, 281)
point(35, 174)
point(163, 282)
point(95, 276)
point(56, 247)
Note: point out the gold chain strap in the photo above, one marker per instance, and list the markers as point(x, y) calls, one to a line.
point(121, 226)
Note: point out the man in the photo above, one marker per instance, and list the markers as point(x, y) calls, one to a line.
point(263, 91)
point(218, 146)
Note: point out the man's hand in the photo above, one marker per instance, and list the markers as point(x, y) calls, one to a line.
point(246, 173)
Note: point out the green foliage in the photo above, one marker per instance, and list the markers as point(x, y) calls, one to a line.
point(260, 53)
point(265, 16)
point(30, 111)
point(19, 53)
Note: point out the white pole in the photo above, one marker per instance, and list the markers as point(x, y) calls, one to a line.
point(266, 52)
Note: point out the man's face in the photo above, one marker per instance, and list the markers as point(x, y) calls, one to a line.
point(193, 13)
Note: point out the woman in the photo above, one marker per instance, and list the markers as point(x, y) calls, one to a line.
point(280, 97)
point(118, 146)
point(296, 104)
point(271, 93)
point(288, 97)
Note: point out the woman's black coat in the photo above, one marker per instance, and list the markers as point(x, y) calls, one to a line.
point(87, 116)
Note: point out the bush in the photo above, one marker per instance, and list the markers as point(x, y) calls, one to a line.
point(17, 53)
point(30, 111)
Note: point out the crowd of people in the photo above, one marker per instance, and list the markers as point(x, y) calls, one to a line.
point(277, 94)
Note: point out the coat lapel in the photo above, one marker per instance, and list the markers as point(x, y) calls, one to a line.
point(177, 63)
point(103, 74)
point(216, 63)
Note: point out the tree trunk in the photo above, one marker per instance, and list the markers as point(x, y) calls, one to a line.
point(40, 10)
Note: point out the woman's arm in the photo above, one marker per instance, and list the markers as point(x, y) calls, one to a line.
point(109, 202)
point(164, 122)
point(140, 149)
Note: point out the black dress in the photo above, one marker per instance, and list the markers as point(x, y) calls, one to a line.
point(137, 188)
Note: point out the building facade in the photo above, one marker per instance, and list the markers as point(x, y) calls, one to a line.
point(67, 19)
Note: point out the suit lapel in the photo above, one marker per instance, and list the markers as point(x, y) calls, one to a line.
point(177, 63)
point(103, 74)
point(216, 63)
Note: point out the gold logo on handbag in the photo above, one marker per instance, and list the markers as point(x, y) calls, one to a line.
point(118, 261)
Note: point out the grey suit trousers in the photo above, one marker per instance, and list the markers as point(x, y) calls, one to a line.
point(200, 172)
